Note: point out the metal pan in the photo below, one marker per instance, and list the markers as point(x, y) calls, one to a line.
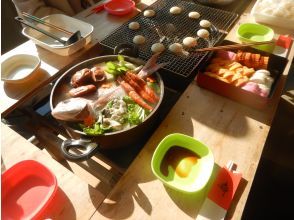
point(92, 144)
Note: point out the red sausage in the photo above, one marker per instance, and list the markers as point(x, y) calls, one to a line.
point(82, 90)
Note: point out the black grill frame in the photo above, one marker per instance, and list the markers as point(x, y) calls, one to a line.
point(184, 27)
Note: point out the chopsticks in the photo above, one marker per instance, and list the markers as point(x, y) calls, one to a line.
point(46, 23)
point(233, 46)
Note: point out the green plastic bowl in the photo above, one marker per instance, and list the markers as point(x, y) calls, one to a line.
point(200, 172)
point(252, 32)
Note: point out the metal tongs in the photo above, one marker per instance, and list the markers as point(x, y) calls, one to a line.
point(74, 37)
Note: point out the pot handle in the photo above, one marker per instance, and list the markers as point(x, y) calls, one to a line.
point(90, 149)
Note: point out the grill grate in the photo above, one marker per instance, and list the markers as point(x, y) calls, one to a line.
point(175, 28)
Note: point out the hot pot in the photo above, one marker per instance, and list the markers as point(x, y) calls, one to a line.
point(92, 144)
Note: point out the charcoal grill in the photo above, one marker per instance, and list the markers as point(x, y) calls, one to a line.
point(175, 28)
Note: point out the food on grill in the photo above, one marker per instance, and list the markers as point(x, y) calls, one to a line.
point(227, 68)
point(149, 13)
point(176, 48)
point(190, 41)
point(205, 23)
point(203, 33)
point(175, 10)
point(123, 100)
point(157, 48)
point(139, 39)
point(134, 25)
point(194, 15)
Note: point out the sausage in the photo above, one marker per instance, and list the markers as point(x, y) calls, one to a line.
point(82, 90)
point(81, 77)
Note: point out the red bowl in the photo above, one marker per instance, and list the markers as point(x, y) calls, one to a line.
point(119, 7)
point(28, 187)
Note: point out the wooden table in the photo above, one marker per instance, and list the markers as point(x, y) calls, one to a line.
point(232, 131)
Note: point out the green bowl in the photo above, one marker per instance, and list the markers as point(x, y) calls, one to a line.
point(200, 171)
point(252, 32)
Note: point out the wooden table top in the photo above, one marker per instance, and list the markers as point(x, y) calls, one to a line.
point(232, 131)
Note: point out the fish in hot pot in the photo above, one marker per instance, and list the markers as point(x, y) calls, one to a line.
point(121, 100)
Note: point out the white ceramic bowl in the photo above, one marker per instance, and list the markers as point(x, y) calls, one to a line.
point(19, 68)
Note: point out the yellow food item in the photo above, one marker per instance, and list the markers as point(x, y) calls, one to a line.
point(236, 72)
point(185, 165)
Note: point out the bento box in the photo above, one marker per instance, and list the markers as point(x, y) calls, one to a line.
point(248, 76)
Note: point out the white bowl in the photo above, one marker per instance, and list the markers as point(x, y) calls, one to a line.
point(19, 68)
point(66, 22)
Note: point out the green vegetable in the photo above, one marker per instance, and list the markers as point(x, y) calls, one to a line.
point(117, 68)
point(136, 114)
point(154, 86)
point(95, 130)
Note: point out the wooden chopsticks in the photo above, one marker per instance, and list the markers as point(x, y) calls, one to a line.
point(233, 46)
point(46, 23)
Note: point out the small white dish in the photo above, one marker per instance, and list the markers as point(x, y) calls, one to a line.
point(19, 68)
point(66, 22)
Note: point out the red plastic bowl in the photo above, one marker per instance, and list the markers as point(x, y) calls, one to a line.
point(28, 187)
point(119, 7)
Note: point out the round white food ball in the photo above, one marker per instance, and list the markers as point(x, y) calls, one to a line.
point(203, 33)
point(194, 15)
point(176, 48)
point(175, 10)
point(134, 25)
point(139, 39)
point(190, 41)
point(157, 48)
point(149, 13)
point(205, 23)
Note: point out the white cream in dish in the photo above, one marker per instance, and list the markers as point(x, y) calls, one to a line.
point(149, 13)
point(157, 47)
point(134, 25)
point(175, 10)
point(194, 15)
point(139, 39)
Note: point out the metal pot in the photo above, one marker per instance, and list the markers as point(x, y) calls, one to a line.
point(92, 144)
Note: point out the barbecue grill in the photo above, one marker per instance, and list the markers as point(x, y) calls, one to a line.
point(174, 28)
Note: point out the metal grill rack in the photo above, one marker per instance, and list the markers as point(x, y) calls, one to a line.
point(175, 28)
